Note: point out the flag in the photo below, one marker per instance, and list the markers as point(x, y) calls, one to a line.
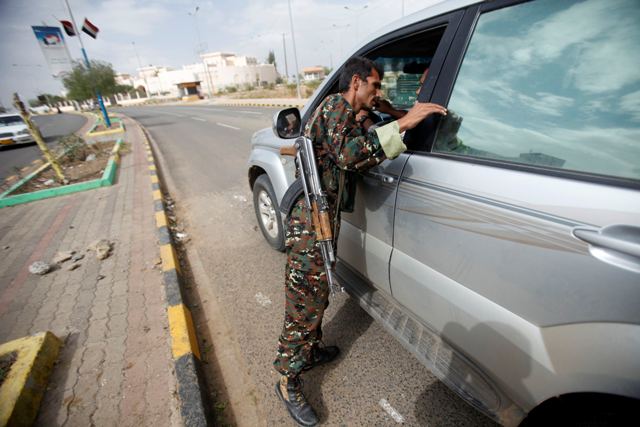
point(68, 28)
point(89, 28)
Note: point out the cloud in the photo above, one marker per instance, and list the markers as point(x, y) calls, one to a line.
point(604, 56)
point(630, 104)
point(130, 18)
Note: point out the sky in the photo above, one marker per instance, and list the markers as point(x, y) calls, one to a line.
point(165, 33)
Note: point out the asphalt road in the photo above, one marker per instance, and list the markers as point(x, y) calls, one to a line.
point(241, 291)
point(52, 127)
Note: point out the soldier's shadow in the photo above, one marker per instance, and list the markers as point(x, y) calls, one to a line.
point(343, 329)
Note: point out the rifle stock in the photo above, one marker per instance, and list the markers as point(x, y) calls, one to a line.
point(288, 150)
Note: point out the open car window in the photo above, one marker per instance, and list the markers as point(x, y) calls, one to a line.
point(404, 61)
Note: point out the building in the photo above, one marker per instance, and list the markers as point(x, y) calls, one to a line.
point(313, 73)
point(216, 72)
point(227, 69)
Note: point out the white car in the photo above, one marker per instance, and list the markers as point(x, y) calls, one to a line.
point(13, 130)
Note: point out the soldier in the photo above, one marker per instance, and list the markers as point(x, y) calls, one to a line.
point(340, 142)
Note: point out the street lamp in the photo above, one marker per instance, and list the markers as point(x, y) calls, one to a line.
point(295, 53)
point(344, 27)
point(200, 49)
point(356, 10)
point(327, 44)
point(144, 75)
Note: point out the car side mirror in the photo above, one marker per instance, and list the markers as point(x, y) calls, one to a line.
point(286, 123)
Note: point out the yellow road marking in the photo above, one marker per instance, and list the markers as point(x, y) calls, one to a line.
point(183, 337)
point(161, 219)
point(168, 256)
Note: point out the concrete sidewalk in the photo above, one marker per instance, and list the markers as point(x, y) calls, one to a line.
point(116, 366)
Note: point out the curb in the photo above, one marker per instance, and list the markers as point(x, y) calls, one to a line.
point(22, 390)
point(92, 134)
point(184, 344)
point(108, 177)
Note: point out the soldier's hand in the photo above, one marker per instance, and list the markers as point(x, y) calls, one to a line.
point(418, 113)
point(383, 105)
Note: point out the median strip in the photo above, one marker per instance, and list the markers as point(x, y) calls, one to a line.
point(108, 177)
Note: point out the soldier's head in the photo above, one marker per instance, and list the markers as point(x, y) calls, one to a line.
point(360, 81)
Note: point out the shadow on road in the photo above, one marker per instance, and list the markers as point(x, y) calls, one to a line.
point(335, 333)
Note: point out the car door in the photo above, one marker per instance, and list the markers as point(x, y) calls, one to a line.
point(366, 234)
point(524, 213)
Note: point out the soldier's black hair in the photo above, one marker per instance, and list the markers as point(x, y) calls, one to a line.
point(357, 66)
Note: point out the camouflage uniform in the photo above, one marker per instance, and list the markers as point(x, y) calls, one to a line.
point(339, 143)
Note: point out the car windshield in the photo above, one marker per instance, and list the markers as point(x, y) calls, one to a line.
point(11, 121)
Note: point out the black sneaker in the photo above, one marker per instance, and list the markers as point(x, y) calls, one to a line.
point(322, 355)
point(290, 391)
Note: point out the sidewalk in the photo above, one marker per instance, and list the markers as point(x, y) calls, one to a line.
point(116, 366)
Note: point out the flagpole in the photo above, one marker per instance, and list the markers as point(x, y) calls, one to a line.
point(107, 122)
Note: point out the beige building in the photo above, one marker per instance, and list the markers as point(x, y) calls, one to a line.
point(218, 70)
point(313, 73)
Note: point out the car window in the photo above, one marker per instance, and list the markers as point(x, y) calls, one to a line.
point(402, 78)
point(404, 62)
point(551, 84)
point(11, 121)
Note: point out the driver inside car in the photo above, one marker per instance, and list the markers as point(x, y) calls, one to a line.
point(367, 118)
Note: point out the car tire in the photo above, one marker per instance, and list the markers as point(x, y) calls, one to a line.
point(268, 213)
point(583, 410)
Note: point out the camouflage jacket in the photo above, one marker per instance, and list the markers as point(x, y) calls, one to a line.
point(339, 143)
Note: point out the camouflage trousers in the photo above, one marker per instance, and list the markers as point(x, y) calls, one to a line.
point(306, 292)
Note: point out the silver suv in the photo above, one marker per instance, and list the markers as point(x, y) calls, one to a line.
point(503, 248)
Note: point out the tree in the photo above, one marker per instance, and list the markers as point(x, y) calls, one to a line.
point(271, 59)
point(82, 83)
point(45, 99)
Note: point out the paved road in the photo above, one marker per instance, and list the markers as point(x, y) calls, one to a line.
point(52, 127)
point(242, 297)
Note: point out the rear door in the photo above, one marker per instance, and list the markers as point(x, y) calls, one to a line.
point(524, 212)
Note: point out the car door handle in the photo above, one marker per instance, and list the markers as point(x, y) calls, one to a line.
point(387, 179)
point(615, 244)
point(621, 238)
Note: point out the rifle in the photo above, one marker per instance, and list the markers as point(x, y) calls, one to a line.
point(317, 203)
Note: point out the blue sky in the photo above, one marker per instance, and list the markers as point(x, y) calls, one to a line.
point(165, 34)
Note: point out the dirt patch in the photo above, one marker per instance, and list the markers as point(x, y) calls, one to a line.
point(6, 360)
point(82, 162)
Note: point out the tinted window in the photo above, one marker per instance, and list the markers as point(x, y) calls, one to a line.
point(551, 83)
point(11, 121)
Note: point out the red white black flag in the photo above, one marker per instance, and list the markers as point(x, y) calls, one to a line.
point(89, 28)
point(68, 28)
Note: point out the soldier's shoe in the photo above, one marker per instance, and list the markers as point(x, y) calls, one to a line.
point(322, 355)
point(290, 391)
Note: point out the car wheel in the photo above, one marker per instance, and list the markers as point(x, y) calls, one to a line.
point(583, 410)
point(267, 212)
